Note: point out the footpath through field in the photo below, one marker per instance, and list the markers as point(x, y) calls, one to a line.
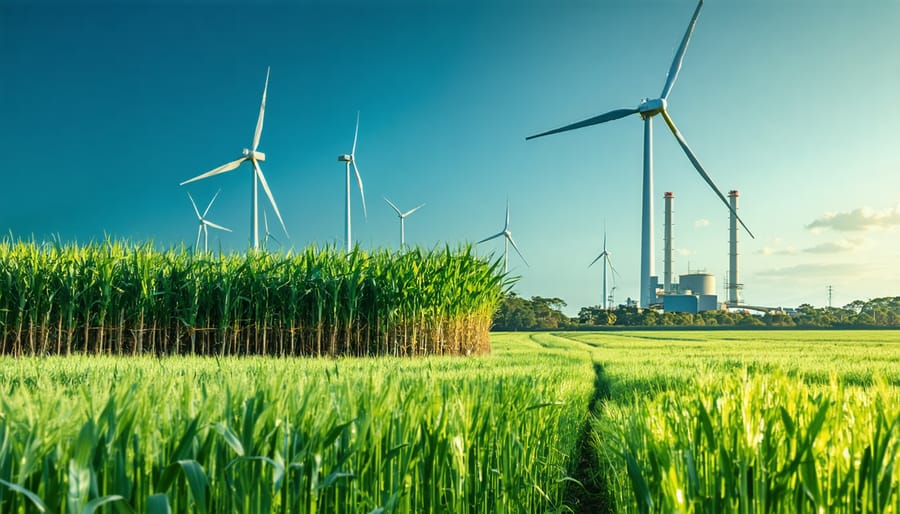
point(786, 421)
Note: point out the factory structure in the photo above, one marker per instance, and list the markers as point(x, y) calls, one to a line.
point(696, 292)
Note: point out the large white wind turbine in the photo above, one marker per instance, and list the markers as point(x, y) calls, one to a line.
point(508, 239)
point(205, 224)
point(647, 110)
point(351, 159)
point(402, 216)
point(607, 263)
point(255, 157)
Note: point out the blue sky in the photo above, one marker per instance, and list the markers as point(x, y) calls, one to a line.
point(106, 106)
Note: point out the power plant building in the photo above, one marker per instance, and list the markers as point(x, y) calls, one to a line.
point(696, 292)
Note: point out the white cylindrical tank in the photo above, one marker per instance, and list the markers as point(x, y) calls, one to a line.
point(698, 283)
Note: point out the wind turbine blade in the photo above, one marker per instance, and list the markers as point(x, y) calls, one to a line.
point(699, 167)
point(211, 202)
point(517, 250)
point(679, 56)
point(355, 133)
point(221, 169)
point(199, 232)
point(603, 118)
point(495, 236)
point(407, 213)
point(506, 227)
point(199, 217)
point(595, 260)
point(213, 225)
point(613, 268)
point(262, 113)
point(361, 193)
point(393, 206)
point(266, 222)
point(265, 185)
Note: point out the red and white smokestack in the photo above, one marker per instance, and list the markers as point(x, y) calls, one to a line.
point(733, 282)
point(667, 257)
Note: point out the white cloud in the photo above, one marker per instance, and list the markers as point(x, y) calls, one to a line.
point(807, 272)
point(701, 223)
point(843, 245)
point(683, 252)
point(768, 250)
point(859, 219)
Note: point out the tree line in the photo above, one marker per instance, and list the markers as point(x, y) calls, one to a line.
point(539, 313)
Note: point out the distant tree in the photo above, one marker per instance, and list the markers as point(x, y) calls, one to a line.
point(774, 319)
point(514, 314)
point(596, 316)
point(539, 313)
point(750, 321)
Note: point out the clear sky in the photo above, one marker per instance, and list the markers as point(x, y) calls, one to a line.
point(106, 106)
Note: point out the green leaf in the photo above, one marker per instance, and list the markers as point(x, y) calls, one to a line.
point(158, 504)
point(230, 438)
point(35, 499)
point(97, 502)
point(638, 484)
point(787, 421)
point(196, 478)
point(332, 478)
point(197, 481)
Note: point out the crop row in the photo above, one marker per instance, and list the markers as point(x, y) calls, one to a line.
point(113, 298)
point(783, 422)
point(485, 434)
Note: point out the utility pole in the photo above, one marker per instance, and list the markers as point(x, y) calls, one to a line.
point(829, 296)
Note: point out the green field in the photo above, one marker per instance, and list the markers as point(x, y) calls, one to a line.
point(786, 421)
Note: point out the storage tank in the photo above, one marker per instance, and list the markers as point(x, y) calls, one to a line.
point(698, 283)
point(681, 303)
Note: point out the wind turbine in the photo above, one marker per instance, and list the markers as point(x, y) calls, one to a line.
point(606, 263)
point(509, 239)
point(647, 110)
point(255, 157)
point(351, 159)
point(268, 235)
point(402, 216)
point(205, 223)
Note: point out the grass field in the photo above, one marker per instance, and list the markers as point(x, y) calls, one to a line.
point(480, 434)
point(756, 421)
point(748, 421)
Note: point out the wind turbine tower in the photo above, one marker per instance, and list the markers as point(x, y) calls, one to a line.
point(205, 224)
point(507, 235)
point(647, 109)
point(350, 159)
point(606, 263)
point(402, 216)
point(734, 285)
point(667, 256)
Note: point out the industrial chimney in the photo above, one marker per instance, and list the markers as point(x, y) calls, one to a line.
point(667, 258)
point(733, 284)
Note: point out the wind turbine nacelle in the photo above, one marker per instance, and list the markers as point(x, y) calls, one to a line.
point(651, 107)
point(256, 156)
point(345, 158)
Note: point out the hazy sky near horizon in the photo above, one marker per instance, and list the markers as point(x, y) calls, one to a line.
point(105, 106)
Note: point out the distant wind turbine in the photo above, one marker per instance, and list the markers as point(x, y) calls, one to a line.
point(508, 239)
point(268, 235)
point(255, 157)
point(351, 159)
point(647, 110)
point(606, 263)
point(402, 216)
point(204, 224)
